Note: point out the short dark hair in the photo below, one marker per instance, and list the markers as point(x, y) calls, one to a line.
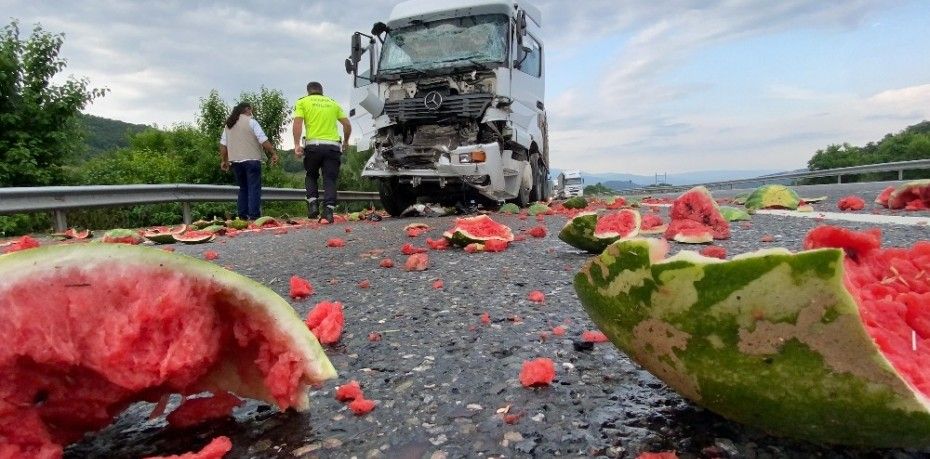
point(314, 88)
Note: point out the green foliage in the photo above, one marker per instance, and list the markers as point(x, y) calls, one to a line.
point(350, 174)
point(597, 190)
point(910, 144)
point(213, 113)
point(270, 109)
point(39, 125)
point(102, 135)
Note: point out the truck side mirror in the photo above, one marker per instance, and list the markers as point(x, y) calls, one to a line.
point(521, 27)
point(356, 53)
point(379, 28)
point(350, 66)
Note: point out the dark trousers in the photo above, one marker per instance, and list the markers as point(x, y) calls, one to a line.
point(249, 178)
point(328, 159)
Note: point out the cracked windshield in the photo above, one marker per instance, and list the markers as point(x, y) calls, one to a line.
point(447, 43)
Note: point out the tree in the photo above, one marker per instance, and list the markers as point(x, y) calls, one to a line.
point(213, 113)
point(269, 107)
point(39, 121)
point(597, 189)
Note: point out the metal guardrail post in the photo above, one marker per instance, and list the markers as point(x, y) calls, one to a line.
point(900, 174)
point(61, 221)
point(839, 178)
point(186, 212)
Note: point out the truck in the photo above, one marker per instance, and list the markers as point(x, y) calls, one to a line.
point(569, 184)
point(449, 97)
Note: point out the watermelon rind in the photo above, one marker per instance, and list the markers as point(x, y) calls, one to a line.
point(579, 232)
point(537, 208)
point(237, 224)
point(654, 230)
point(460, 235)
point(814, 200)
point(122, 235)
point(509, 208)
point(733, 214)
point(188, 238)
point(898, 197)
point(164, 237)
point(251, 298)
point(772, 196)
point(694, 237)
point(771, 339)
point(578, 202)
point(262, 221)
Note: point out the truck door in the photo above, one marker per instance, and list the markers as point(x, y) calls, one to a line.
point(527, 80)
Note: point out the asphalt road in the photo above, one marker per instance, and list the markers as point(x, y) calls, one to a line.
point(440, 375)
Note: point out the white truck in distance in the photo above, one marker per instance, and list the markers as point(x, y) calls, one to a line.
point(449, 96)
point(569, 184)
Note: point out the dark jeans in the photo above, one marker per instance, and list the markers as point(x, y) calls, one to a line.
point(327, 158)
point(249, 178)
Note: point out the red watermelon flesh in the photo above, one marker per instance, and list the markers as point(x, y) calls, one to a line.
point(911, 196)
point(125, 323)
point(216, 449)
point(689, 231)
point(622, 224)
point(651, 221)
point(882, 197)
point(892, 288)
point(194, 411)
point(697, 205)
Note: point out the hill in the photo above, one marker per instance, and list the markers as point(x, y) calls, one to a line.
point(104, 134)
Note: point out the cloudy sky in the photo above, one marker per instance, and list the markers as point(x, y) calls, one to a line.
point(633, 86)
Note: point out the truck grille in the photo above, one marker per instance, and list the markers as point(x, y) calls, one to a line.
point(458, 106)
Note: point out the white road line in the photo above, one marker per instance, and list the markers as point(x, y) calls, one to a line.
point(850, 217)
point(846, 217)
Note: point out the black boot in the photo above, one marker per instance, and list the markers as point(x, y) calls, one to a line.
point(327, 214)
point(313, 208)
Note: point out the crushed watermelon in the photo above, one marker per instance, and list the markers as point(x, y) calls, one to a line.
point(714, 251)
point(593, 336)
point(438, 284)
point(194, 411)
point(349, 391)
point(417, 262)
point(658, 455)
point(892, 289)
point(558, 330)
point(361, 406)
point(485, 318)
point(300, 287)
point(335, 243)
point(537, 372)
point(386, 263)
point(495, 245)
point(410, 249)
point(538, 231)
point(23, 243)
point(851, 203)
point(210, 255)
point(437, 244)
point(216, 449)
point(326, 320)
point(536, 296)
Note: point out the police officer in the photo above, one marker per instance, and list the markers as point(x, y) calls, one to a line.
point(316, 116)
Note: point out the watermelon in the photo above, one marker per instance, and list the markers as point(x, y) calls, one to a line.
point(831, 344)
point(851, 203)
point(689, 232)
point(697, 205)
point(538, 208)
point(772, 197)
point(72, 233)
point(237, 224)
point(477, 229)
point(509, 208)
point(164, 235)
point(592, 232)
point(194, 237)
point(416, 229)
point(122, 236)
point(732, 214)
point(123, 323)
point(578, 202)
point(652, 224)
point(882, 198)
point(262, 222)
point(911, 196)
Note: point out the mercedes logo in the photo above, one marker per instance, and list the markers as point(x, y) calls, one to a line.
point(432, 101)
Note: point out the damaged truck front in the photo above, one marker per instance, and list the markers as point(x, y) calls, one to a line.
point(449, 97)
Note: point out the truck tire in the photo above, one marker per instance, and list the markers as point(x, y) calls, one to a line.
point(524, 197)
point(395, 196)
point(539, 179)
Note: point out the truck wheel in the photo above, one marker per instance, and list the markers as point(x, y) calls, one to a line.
point(395, 197)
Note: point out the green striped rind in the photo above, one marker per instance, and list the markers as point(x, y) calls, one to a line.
point(509, 208)
point(578, 232)
point(767, 196)
point(733, 214)
point(537, 208)
point(578, 202)
point(772, 339)
point(251, 298)
point(460, 236)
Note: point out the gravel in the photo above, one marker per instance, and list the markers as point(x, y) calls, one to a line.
point(443, 380)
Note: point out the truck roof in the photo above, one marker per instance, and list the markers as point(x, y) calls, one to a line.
point(405, 13)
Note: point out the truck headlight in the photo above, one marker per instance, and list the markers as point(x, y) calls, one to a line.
point(477, 156)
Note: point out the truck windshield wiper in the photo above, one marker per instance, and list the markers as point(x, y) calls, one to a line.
point(405, 69)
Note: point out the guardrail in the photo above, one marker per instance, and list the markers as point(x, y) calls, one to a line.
point(60, 199)
point(899, 167)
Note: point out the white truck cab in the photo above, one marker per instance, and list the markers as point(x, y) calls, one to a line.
point(449, 95)
point(569, 184)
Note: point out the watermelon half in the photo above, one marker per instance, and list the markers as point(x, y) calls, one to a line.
point(698, 206)
point(477, 229)
point(89, 329)
point(828, 345)
point(911, 196)
point(593, 232)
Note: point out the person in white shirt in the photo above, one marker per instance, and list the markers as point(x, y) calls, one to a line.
point(241, 148)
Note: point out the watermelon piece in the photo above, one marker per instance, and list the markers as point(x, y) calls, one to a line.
point(882, 198)
point(592, 232)
point(536, 296)
point(478, 229)
point(714, 251)
point(349, 391)
point(73, 233)
point(23, 243)
point(164, 235)
point(616, 203)
point(593, 336)
point(538, 231)
point(210, 255)
point(652, 224)
point(537, 208)
point(658, 455)
point(851, 203)
point(578, 202)
point(215, 229)
point(558, 330)
point(911, 196)
point(438, 284)
point(409, 249)
point(417, 262)
point(437, 244)
point(474, 247)
point(826, 345)
point(689, 232)
point(266, 222)
point(300, 288)
point(732, 214)
point(216, 449)
point(495, 245)
point(772, 197)
point(386, 263)
point(123, 323)
point(237, 224)
point(509, 208)
point(697, 205)
point(326, 321)
point(485, 318)
point(122, 236)
point(416, 229)
point(194, 237)
point(361, 406)
point(194, 411)
point(335, 243)
point(537, 373)
point(364, 283)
